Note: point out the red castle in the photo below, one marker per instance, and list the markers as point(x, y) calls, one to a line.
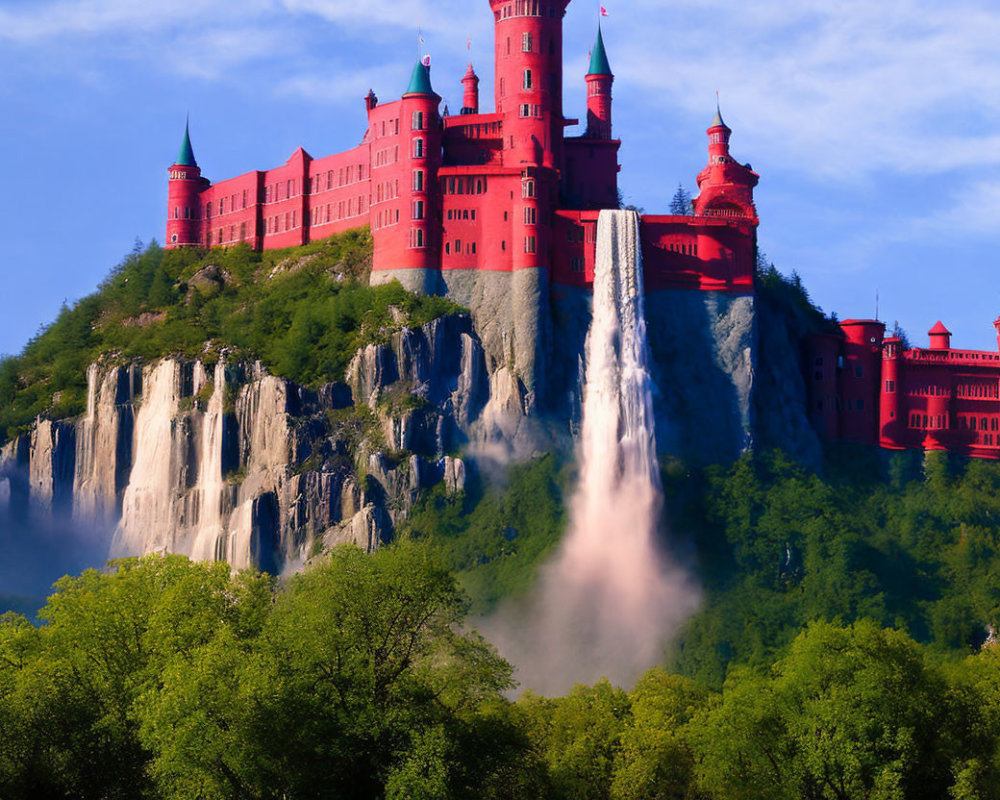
point(866, 387)
point(503, 191)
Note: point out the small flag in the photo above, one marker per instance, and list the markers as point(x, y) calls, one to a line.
point(604, 11)
point(426, 61)
point(468, 44)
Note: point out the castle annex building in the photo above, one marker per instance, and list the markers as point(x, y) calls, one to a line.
point(500, 191)
point(866, 387)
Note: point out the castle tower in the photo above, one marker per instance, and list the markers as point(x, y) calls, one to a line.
point(940, 337)
point(417, 236)
point(599, 80)
point(528, 41)
point(470, 96)
point(725, 186)
point(891, 427)
point(183, 207)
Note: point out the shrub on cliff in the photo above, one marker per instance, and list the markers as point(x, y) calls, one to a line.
point(302, 311)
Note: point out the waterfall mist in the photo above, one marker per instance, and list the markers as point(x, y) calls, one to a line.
point(608, 602)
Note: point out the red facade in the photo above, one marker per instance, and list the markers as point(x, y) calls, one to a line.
point(874, 390)
point(503, 191)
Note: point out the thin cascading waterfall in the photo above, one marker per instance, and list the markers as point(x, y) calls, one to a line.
point(611, 599)
point(206, 546)
point(149, 513)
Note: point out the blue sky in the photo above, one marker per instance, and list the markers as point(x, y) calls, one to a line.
point(875, 126)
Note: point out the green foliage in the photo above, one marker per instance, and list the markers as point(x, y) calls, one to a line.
point(302, 311)
point(910, 546)
point(168, 679)
point(496, 535)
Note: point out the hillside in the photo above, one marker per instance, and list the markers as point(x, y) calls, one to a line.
point(303, 312)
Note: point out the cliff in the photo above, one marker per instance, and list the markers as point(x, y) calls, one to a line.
point(226, 461)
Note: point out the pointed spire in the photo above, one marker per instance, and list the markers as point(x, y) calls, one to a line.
point(599, 57)
point(420, 80)
point(470, 73)
point(185, 158)
point(718, 122)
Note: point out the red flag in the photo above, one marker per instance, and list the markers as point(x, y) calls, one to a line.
point(604, 11)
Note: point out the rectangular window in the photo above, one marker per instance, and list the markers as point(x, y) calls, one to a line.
point(529, 244)
point(527, 188)
point(527, 79)
point(418, 209)
point(418, 120)
point(525, 110)
point(418, 148)
point(418, 180)
point(526, 42)
point(530, 216)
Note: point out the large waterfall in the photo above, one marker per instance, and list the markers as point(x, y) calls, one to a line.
point(610, 599)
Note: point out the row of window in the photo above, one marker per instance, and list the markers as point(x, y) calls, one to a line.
point(389, 128)
point(461, 214)
point(463, 185)
point(345, 209)
point(335, 178)
point(274, 224)
point(961, 422)
point(387, 155)
point(384, 219)
point(685, 249)
point(527, 8)
point(218, 236)
point(388, 190)
point(989, 391)
point(456, 248)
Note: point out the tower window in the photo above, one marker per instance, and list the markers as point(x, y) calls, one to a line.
point(528, 188)
point(418, 120)
point(526, 42)
point(530, 244)
point(530, 216)
point(418, 148)
point(418, 180)
point(417, 238)
point(418, 209)
point(527, 79)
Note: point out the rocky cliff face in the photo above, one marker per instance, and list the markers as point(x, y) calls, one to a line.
point(228, 462)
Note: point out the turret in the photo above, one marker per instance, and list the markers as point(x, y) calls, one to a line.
point(892, 428)
point(940, 337)
point(420, 129)
point(860, 379)
point(599, 80)
point(184, 227)
point(726, 187)
point(470, 96)
point(528, 38)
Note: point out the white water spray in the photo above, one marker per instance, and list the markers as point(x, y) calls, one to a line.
point(210, 482)
point(610, 600)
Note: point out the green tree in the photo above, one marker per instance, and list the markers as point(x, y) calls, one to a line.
point(850, 713)
point(655, 761)
point(680, 204)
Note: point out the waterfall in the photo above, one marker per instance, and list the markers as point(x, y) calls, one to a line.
point(206, 545)
point(149, 511)
point(610, 600)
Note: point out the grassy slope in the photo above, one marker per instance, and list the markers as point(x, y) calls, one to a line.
point(302, 311)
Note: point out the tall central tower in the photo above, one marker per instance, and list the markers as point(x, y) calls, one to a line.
point(529, 49)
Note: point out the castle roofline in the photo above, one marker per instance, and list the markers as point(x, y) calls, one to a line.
point(599, 64)
point(185, 158)
point(420, 81)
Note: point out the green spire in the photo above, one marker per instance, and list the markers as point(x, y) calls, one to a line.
point(185, 158)
point(599, 57)
point(420, 80)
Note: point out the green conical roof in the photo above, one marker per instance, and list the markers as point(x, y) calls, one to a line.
point(420, 80)
point(185, 158)
point(599, 57)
